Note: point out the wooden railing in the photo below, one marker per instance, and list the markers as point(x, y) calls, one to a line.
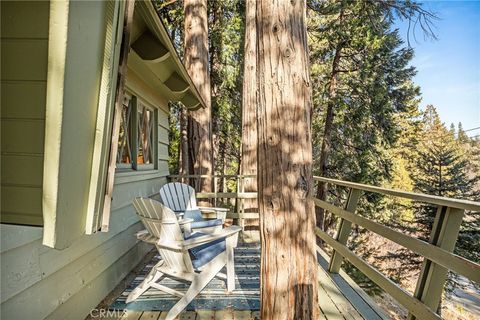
point(227, 190)
point(438, 252)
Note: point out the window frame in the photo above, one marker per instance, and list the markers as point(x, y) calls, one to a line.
point(133, 136)
point(127, 101)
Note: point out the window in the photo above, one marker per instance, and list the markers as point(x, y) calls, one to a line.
point(136, 143)
point(124, 152)
point(145, 135)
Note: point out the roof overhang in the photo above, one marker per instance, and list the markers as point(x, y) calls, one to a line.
point(154, 58)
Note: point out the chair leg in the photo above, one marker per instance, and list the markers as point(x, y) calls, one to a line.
point(198, 283)
point(153, 276)
point(230, 266)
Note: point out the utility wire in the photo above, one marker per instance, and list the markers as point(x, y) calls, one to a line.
point(446, 135)
point(471, 129)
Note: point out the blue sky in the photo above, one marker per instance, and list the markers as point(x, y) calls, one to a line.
point(449, 68)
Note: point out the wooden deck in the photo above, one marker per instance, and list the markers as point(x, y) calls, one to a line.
point(189, 315)
point(339, 298)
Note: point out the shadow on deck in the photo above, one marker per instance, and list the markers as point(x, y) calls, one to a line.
point(339, 296)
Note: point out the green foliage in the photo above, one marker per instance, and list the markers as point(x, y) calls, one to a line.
point(226, 56)
point(174, 138)
point(445, 168)
point(361, 67)
point(442, 167)
point(172, 17)
point(225, 33)
point(373, 85)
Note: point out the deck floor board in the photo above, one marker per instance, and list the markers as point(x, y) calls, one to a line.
point(150, 315)
point(339, 299)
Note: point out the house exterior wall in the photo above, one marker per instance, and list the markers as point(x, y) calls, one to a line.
point(24, 49)
point(38, 282)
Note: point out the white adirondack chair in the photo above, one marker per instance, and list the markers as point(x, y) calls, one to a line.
point(196, 259)
point(180, 197)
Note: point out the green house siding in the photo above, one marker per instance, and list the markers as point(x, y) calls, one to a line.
point(24, 49)
point(39, 282)
point(43, 283)
point(67, 284)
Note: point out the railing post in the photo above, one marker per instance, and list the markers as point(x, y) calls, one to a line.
point(432, 276)
point(224, 188)
point(215, 190)
point(344, 230)
point(241, 206)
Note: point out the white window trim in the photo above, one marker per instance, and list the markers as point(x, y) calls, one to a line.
point(133, 167)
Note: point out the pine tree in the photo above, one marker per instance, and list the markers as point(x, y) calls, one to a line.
point(225, 34)
point(225, 62)
point(461, 135)
point(452, 129)
point(441, 168)
point(441, 161)
point(469, 237)
point(199, 124)
point(249, 106)
point(361, 80)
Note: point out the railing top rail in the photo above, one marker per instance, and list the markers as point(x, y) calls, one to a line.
point(213, 176)
point(442, 201)
point(437, 200)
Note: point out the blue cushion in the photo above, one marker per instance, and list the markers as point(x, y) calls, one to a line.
point(206, 223)
point(194, 214)
point(205, 253)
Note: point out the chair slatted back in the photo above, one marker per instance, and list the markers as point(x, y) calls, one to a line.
point(178, 196)
point(161, 222)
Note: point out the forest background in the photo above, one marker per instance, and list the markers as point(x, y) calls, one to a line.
point(367, 127)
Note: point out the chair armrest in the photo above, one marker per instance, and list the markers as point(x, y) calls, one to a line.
point(186, 225)
point(220, 212)
point(170, 246)
point(225, 233)
point(207, 224)
point(185, 221)
point(147, 237)
point(141, 233)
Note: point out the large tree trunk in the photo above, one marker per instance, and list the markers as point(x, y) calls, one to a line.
point(287, 219)
point(215, 14)
point(199, 125)
point(327, 136)
point(183, 148)
point(248, 164)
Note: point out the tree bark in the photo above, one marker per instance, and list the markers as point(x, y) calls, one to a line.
point(184, 165)
point(215, 14)
point(287, 219)
point(327, 136)
point(248, 164)
point(199, 125)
